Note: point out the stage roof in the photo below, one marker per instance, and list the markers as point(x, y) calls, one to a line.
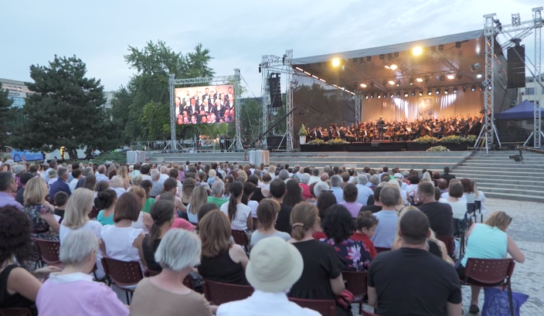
point(453, 55)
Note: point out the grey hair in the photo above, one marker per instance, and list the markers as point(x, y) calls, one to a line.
point(88, 171)
point(137, 180)
point(326, 169)
point(217, 187)
point(405, 174)
point(336, 180)
point(305, 178)
point(361, 179)
point(390, 195)
point(61, 172)
point(17, 169)
point(78, 246)
point(179, 249)
point(284, 175)
point(319, 187)
point(164, 169)
point(116, 182)
point(155, 174)
point(374, 180)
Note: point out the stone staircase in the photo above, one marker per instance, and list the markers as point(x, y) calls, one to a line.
point(376, 160)
point(498, 176)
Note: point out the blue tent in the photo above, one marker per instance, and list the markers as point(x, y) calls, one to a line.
point(522, 111)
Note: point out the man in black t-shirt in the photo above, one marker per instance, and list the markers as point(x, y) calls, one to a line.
point(278, 190)
point(440, 214)
point(411, 280)
point(376, 205)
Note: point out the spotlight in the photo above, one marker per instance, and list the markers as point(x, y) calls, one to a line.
point(426, 79)
point(336, 62)
point(450, 76)
point(372, 95)
point(411, 81)
point(437, 90)
point(392, 94)
point(366, 95)
point(454, 89)
point(442, 78)
point(446, 91)
point(393, 67)
point(385, 95)
point(475, 67)
point(440, 47)
point(391, 82)
point(473, 88)
point(417, 51)
point(420, 92)
point(398, 94)
point(429, 92)
point(419, 79)
point(398, 83)
point(479, 76)
point(405, 94)
point(489, 87)
point(464, 88)
point(387, 67)
point(363, 85)
point(379, 95)
point(413, 92)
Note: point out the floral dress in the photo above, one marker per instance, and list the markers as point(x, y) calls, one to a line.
point(39, 227)
point(354, 254)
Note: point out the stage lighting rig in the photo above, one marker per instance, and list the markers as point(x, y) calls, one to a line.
point(413, 92)
point(473, 88)
point(417, 51)
point(454, 89)
point(437, 91)
point(336, 62)
point(405, 94)
point(446, 91)
point(420, 92)
point(411, 82)
point(429, 92)
point(385, 95)
point(379, 95)
point(398, 83)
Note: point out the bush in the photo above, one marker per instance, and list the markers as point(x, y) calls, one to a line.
point(336, 141)
point(316, 142)
point(426, 140)
point(452, 139)
point(438, 148)
point(302, 131)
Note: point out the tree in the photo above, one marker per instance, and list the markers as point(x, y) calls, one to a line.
point(66, 109)
point(5, 115)
point(143, 107)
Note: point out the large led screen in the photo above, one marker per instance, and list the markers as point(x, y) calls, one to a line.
point(204, 105)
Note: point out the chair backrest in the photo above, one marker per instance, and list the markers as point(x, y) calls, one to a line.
point(15, 311)
point(149, 273)
point(219, 293)
point(380, 249)
point(449, 242)
point(49, 250)
point(356, 283)
point(324, 307)
point(365, 313)
point(489, 271)
point(122, 273)
point(478, 205)
point(240, 237)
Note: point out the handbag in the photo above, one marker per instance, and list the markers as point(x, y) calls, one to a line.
point(496, 302)
point(344, 300)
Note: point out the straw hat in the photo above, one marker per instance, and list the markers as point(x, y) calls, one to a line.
point(275, 265)
point(52, 174)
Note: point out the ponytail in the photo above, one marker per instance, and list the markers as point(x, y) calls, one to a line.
point(161, 212)
point(235, 190)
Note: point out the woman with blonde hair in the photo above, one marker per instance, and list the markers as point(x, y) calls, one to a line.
point(489, 241)
point(123, 174)
point(219, 251)
point(267, 214)
point(435, 246)
point(116, 184)
point(242, 177)
point(144, 221)
point(426, 177)
point(44, 225)
point(199, 198)
point(322, 274)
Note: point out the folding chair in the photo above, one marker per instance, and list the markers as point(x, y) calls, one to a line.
point(365, 313)
point(48, 252)
point(15, 311)
point(449, 241)
point(323, 307)
point(478, 211)
point(240, 237)
point(124, 274)
point(219, 293)
point(380, 249)
point(490, 273)
point(356, 283)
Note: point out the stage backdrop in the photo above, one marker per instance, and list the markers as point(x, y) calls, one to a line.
point(412, 107)
point(206, 104)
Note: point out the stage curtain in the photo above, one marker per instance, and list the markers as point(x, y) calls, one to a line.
point(462, 103)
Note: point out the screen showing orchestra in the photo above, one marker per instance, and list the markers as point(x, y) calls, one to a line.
point(204, 105)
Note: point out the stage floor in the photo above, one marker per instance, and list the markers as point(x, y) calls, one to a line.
point(382, 146)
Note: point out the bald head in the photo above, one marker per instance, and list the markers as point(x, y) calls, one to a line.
point(324, 176)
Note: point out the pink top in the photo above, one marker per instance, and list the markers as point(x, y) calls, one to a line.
point(353, 208)
point(77, 294)
point(183, 224)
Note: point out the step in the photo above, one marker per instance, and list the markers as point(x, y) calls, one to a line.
point(510, 190)
point(495, 169)
point(513, 180)
point(508, 196)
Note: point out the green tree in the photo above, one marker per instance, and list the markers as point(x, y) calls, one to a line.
point(66, 109)
point(5, 115)
point(142, 108)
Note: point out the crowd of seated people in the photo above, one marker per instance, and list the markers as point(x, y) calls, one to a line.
point(324, 221)
point(399, 130)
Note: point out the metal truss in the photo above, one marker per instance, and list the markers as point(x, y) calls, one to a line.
point(172, 82)
point(357, 108)
point(537, 132)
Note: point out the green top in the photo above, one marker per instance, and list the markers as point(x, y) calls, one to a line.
point(147, 206)
point(104, 220)
point(217, 201)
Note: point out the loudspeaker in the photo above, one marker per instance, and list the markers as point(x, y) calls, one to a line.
point(274, 84)
point(274, 141)
point(515, 67)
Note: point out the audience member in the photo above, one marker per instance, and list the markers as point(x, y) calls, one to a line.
point(76, 176)
point(117, 185)
point(189, 185)
point(363, 191)
point(8, 187)
point(488, 241)
point(458, 207)
point(447, 176)
point(199, 198)
point(157, 186)
point(205, 209)
point(320, 187)
point(439, 214)
point(387, 217)
point(163, 218)
point(376, 204)
point(105, 201)
point(165, 294)
point(24, 178)
point(60, 205)
point(73, 291)
point(267, 214)
point(249, 190)
point(326, 199)
point(219, 251)
point(44, 225)
point(218, 188)
point(294, 193)
point(278, 191)
point(468, 187)
point(350, 200)
point(366, 224)
point(438, 291)
point(336, 181)
point(178, 221)
point(276, 266)
point(238, 213)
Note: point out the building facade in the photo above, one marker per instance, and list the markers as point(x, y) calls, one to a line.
point(17, 91)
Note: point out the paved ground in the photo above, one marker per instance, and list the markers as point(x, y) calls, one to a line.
point(527, 231)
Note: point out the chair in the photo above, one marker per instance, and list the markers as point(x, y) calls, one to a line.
point(15, 311)
point(478, 211)
point(149, 273)
point(48, 252)
point(490, 273)
point(356, 283)
point(124, 274)
point(256, 223)
point(240, 237)
point(380, 249)
point(365, 313)
point(323, 307)
point(449, 242)
point(219, 293)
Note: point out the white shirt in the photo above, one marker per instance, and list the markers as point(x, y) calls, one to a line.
point(119, 191)
point(386, 229)
point(45, 175)
point(253, 205)
point(264, 304)
point(338, 193)
point(363, 193)
point(101, 177)
point(73, 185)
point(163, 178)
point(446, 195)
point(119, 242)
point(459, 208)
point(146, 177)
point(314, 179)
point(96, 228)
point(240, 218)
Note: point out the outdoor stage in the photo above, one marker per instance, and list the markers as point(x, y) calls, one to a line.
point(382, 146)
